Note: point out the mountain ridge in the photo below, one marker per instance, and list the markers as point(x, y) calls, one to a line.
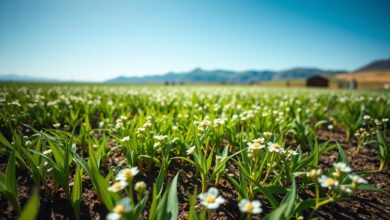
point(383, 64)
point(199, 75)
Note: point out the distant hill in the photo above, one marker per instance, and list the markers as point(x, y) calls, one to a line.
point(199, 75)
point(23, 78)
point(376, 65)
point(376, 71)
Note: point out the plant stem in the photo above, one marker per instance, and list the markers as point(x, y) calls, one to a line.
point(263, 163)
point(131, 192)
point(203, 183)
point(269, 170)
point(317, 193)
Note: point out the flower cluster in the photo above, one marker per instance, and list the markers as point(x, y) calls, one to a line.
point(159, 140)
point(145, 126)
point(336, 180)
point(119, 122)
point(123, 178)
point(212, 200)
point(121, 208)
point(202, 125)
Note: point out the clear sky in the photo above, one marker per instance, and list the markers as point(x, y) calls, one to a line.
point(101, 39)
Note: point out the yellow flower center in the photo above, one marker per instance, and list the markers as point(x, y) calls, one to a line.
point(256, 145)
point(127, 173)
point(249, 207)
point(276, 146)
point(210, 199)
point(117, 185)
point(330, 182)
point(120, 209)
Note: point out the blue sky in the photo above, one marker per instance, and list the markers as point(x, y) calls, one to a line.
point(97, 40)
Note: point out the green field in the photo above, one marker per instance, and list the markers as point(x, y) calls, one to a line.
point(186, 152)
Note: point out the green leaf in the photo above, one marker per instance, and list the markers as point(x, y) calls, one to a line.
point(153, 206)
point(192, 200)
point(341, 157)
point(274, 189)
point(31, 209)
point(100, 184)
point(77, 192)
point(159, 182)
point(4, 141)
point(290, 200)
point(277, 214)
point(168, 207)
point(173, 206)
point(137, 211)
point(267, 194)
point(316, 154)
point(305, 205)
point(10, 178)
point(368, 187)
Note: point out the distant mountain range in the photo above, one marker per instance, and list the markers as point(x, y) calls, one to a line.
point(376, 65)
point(199, 75)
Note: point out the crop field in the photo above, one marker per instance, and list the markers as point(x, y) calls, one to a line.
point(192, 152)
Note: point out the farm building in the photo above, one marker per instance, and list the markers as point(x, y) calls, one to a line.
point(317, 81)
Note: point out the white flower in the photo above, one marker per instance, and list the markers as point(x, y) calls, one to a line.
point(161, 137)
point(345, 189)
point(258, 140)
point(255, 146)
point(47, 152)
point(292, 153)
point(191, 150)
point(28, 143)
point(202, 124)
point(122, 207)
point(275, 147)
point(16, 103)
point(342, 167)
point(330, 127)
point(328, 182)
point(267, 134)
point(366, 117)
point(127, 174)
point(314, 174)
point(157, 144)
point(125, 139)
point(147, 124)
point(356, 180)
point(56, 125)
point(210, 199)
point(140, 130)
point(118, 186)
point(252, 207)
point(218, 121)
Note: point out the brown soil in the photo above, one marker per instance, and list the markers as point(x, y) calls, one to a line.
point(363, 204)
